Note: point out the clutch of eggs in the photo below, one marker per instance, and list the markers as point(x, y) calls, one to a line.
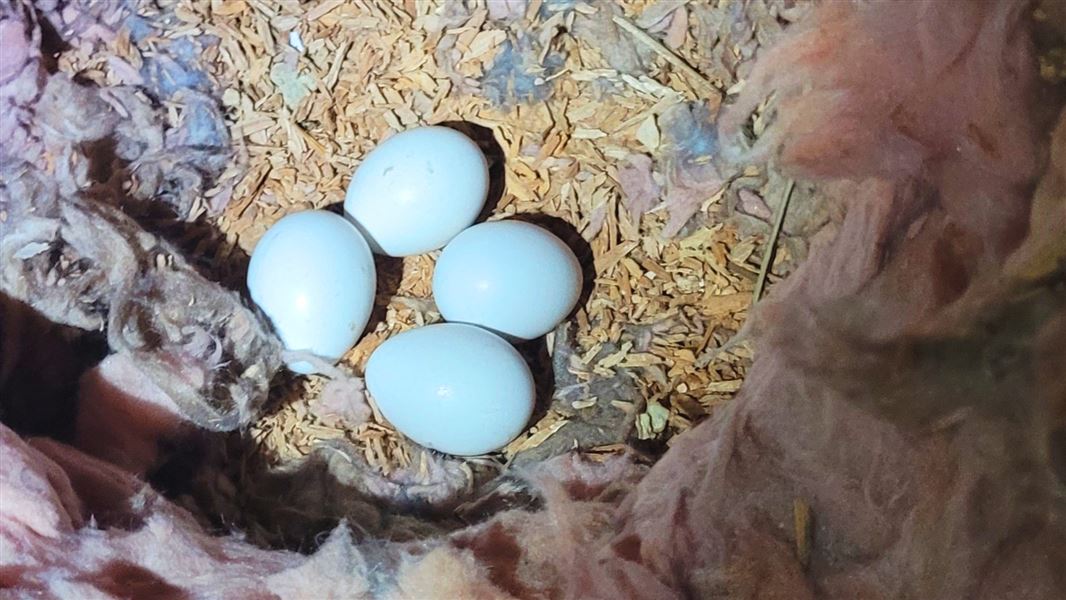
point(455, 387)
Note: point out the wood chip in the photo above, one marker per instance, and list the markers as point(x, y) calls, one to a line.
point(722, 386)
point(648, 134)
point(322, 9)
point(547, 427)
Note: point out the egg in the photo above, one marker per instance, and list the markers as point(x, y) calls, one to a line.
point(312, 274)
point(452, 387)
point(514, 278)
point(416, 190)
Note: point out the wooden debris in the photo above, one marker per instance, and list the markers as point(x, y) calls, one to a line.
point(652, 421)
point(768, 256)
point(675, 60)
point(801, 522)
point(537, 435)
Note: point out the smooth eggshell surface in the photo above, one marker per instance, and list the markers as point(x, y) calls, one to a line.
point(514, 278)
point(452, 387)
point(418, 189)
point(312, 274)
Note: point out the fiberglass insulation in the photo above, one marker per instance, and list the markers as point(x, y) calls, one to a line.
point(900, 434)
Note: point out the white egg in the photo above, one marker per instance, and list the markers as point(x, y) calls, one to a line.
point(418, 189)
point(312, 274)
point(452, 387)
point(514, 278)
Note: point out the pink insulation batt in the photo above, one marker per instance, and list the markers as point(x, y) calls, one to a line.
point(907, 396)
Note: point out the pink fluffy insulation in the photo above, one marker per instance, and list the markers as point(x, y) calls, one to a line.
point(901, 434)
